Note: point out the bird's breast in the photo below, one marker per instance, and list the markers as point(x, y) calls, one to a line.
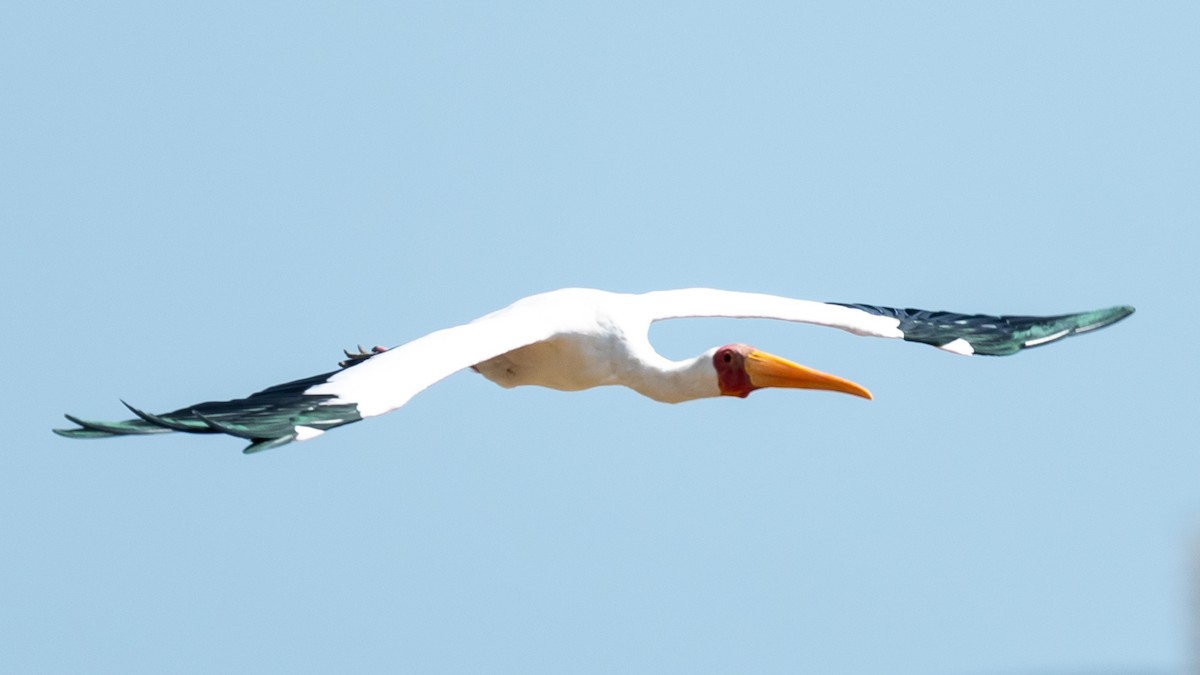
point(567, 363)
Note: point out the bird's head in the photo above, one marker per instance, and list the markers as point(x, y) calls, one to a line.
point(741, 369)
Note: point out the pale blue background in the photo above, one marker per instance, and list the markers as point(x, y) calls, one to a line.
point(202, 200)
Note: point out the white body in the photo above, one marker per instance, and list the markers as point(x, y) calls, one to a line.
point(578, 338)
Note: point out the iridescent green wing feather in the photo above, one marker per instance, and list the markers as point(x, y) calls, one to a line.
point(991, 335)
point(272, 417)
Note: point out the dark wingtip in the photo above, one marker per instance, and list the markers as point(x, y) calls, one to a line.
point(83, 433)
point(267, 444)
point(1120, 312)
point(222, 427)
point(1103, 318)
point(115, 428)
point(167, 423)
point(265, 419)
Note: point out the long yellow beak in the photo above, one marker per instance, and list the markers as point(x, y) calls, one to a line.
point(768, 370)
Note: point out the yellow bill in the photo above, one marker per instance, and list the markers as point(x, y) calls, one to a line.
point(768, 370)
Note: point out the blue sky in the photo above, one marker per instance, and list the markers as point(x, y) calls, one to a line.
point(200, 201)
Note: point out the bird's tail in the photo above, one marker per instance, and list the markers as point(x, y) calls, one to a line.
point(268, 419)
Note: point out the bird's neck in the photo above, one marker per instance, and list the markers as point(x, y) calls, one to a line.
point(670, 381)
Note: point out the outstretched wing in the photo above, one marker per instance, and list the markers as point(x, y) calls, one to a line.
point(307, 408)
point(954, 332)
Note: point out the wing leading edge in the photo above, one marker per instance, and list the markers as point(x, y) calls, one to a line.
point(951, 331)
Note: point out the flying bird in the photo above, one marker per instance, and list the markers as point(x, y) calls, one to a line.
point(577, 338)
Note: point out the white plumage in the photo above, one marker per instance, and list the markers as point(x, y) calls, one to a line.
point(577, 338)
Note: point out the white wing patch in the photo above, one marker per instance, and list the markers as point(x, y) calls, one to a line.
point(958, 346)
point(1048, 338)
point(304, 433)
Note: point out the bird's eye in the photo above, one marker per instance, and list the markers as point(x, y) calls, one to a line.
point(727, 356)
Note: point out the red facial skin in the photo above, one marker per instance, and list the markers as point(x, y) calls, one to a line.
point(730, 362)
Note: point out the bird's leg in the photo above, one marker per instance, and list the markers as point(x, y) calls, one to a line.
point(360, 356)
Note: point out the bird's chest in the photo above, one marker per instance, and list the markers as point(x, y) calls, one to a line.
point(565, 363)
